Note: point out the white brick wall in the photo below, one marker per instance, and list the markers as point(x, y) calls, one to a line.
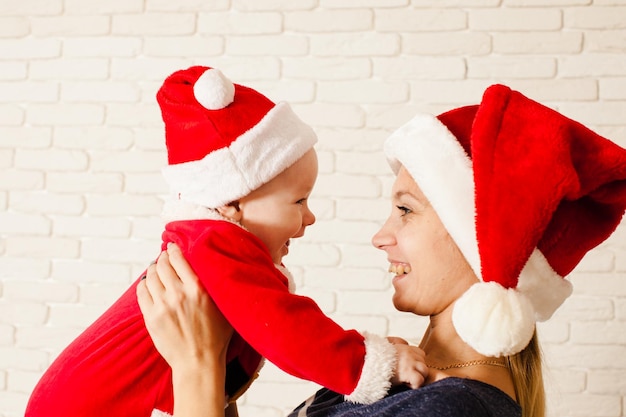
point(81, 146)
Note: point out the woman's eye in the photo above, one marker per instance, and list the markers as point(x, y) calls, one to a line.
point(404, 210)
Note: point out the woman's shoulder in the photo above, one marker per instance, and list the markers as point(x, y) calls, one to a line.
point(450, 397)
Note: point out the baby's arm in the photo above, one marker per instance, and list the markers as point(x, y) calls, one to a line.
point(411, 368)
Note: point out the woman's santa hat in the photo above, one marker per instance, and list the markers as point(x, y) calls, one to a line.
point(225, 140)
point(525, 193)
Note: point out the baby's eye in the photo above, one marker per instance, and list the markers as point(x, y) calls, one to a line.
point(404, 210)
point(301, 201)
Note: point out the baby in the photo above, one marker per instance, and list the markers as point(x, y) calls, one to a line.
point(241, 169)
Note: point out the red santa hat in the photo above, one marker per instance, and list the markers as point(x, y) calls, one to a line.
point(225, 140)
point(525, 193)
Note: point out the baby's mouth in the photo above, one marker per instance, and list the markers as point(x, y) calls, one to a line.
point(399, 269)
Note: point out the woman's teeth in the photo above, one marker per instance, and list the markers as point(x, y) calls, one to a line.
point(399, 269)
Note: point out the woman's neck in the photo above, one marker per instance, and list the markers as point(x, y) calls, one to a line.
point(444, 348)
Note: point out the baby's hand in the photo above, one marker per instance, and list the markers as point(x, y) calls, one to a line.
point(411, 369)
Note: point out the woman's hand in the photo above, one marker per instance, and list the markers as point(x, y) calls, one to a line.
point(189, 331)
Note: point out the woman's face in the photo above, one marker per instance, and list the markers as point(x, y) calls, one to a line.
point(430, 272)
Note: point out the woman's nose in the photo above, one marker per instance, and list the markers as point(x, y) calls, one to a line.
point(383, 237)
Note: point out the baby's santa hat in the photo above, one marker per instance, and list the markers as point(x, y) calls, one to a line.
point(225, 140)
point(525, 193)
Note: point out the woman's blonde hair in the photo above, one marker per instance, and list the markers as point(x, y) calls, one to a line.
point(528, 379)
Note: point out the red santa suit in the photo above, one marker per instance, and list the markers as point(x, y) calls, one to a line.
point(224, 140)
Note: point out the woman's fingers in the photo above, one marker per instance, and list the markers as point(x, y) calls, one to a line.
point(181, 267)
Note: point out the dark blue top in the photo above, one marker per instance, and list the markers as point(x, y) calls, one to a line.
point(449, 397)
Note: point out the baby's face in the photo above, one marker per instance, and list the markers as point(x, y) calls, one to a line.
point(278, 210)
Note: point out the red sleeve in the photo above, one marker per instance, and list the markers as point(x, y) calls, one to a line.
point(289, 330)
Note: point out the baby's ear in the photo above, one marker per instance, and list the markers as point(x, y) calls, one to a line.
point(231, 211)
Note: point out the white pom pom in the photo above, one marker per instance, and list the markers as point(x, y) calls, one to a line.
point(213, 90)
point(493, 320)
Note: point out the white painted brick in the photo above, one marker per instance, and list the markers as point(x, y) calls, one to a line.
point(606, 41)
point(373, 324)
point(538, 43)
point(323, 208)
point(279, 45)
point(24, 268)
point(201, 46)
point(596, 65)
point(613, 88)
point(420, 20)
point(341, 4)
point(70, 69)
point(31, 7)
point(363, 92)
point(30, 48)
point(355, 45)
point(291, 91)
point(313, 254)
point(272, 393)
point(119, 250)
point(331, 68)
point(22, 381)
point(349, 232)
point(7, 332)
point(72, 226)
point(325, 161)
point(146, 227)
point(581, 307)
point(269, 5)
point(252, 23)
point(408, 326)
point(6, 158)
point(24, 313)
point(363, 255)
point(604, 18)
point(186, 5)
point(29, 92)
point(118, 46)
point(369, 163)
point(145, 183)
point(558, 381)
point(243, 69)
point(51, 160)
point(446, 44)
point(25, 224)
point(105, 91)
point(599, 332)
point(331, 115)
point(70, 25)
point(92, 138)
point(456, 3)
point(358, 140)
point(329, 21)
point(451, 92)
point(587, 356)
point(11, 115)
point(127, 161)
point(123, 205)
point(14, 27)
point(597, 261)
point(362, 209)
point(511, 20)
point(545, 3)
point(130, 115)
point(81, 182)
point(103, 7)
point(607, 382)
point(32, 202)
point(347, 186)
point(65, 114)
point(20, 137)
point(599, 284)
point(584, 405)
point(389, 117)
point(149, 138)
point(43, 291)
point(325, 299)
point(620, 309)
point(13, 403)
point(419, 67)
point(583, 89)
point(511, 67)
point(23, 359)
point(101, 294)
point(143, 68)
point(154, 24)
point(84, 272)
point(345, 278)
point(42, 247)
point(13, 71)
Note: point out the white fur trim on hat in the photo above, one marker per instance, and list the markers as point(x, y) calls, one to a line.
point(493, 320)
point(379, 367)
point(213, 90)
point(254, 158)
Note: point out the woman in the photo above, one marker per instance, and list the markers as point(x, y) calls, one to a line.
point(493, 206)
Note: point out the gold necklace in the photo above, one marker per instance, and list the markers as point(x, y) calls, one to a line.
point(490, 362)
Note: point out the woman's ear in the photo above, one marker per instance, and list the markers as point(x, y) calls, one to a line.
point(231, 211)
